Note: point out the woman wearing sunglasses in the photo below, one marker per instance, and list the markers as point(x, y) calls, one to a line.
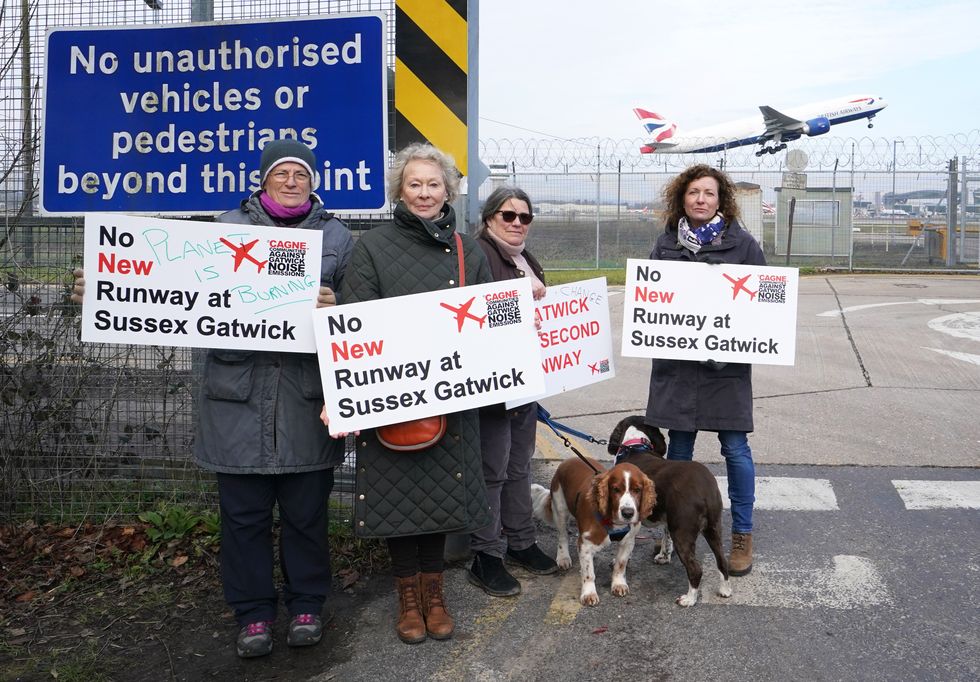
point(507, 436)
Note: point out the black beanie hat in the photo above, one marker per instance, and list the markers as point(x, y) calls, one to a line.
point(281, 151)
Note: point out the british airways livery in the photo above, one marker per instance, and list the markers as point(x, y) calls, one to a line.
point(771, 132)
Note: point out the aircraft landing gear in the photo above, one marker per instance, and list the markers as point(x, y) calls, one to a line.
point(871, 125)
point(771, 150)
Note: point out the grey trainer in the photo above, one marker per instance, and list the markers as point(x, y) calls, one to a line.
point(305, 629)
point(255, 639)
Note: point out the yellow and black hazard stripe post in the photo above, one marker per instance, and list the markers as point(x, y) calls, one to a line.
point(431, 75)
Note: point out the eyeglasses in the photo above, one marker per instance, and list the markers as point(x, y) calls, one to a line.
point(509, 216)
point(301, 177)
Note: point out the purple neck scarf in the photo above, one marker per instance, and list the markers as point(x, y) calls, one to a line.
point(277, 210)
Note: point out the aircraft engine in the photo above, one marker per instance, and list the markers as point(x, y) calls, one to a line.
point(816, 126)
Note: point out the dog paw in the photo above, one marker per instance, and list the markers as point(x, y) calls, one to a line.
point(564, 563)
point(589, 599)
point(661, 558)
point(725, 589)
point(689, 599)
point(621, 590)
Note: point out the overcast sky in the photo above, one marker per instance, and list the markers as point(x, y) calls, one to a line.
point(577, 68)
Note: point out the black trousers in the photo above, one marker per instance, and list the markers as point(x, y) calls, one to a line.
point(247, 502)
point(413, 553)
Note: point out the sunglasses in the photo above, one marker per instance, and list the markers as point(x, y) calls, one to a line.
point(509, 216)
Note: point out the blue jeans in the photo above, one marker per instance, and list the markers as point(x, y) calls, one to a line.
point(738, 462)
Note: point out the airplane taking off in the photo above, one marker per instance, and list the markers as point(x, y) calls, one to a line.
point(775, 127)
point(463, 312)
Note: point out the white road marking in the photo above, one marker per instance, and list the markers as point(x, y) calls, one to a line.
point(957, 355)
point(841, 311)
point(939, 494)
point(851, 582)
point(924, 301)
point(784, 492)
point(960, 325)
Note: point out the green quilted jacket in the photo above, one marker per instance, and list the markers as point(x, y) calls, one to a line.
point(439, 490)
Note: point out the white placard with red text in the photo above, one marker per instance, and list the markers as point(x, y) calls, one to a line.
point(415, 356)
point(204, 285)
point(696, 311)
point(575, 337)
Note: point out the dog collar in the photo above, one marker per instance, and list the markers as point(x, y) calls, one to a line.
point(631, 446)
point(615, 534)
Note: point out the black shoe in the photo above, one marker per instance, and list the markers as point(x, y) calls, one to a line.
point(488, 573)
point(532, 559)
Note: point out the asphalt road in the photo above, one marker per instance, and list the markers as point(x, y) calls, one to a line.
point(867, 562)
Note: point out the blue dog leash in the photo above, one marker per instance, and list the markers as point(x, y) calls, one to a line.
point(545, 417)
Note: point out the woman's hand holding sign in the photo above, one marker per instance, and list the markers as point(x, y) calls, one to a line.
point(326, 422)
point(78, 289)
point(326, 298)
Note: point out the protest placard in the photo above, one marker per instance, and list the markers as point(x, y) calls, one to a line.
point(575, 337)
point(408, 357)
point(206, 285)
point(695, 311)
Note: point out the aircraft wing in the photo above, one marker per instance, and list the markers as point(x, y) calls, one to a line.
point(778, 124)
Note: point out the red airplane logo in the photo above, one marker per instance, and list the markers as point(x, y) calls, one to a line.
point(241, 253)
point(739, 285)
point(463, 312)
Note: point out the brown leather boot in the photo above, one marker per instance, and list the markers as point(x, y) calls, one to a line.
point(740, 560)
point(411, 626)
point(438, 623)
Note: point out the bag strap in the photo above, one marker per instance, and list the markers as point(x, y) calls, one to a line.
point(459, 256)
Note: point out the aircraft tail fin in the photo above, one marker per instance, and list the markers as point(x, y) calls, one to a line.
point(661, 130)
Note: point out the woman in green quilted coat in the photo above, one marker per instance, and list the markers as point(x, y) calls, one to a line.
point(414, 499)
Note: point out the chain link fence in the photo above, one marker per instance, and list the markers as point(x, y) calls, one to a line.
point(91, 430)
point(861, 220)
point(101, 430)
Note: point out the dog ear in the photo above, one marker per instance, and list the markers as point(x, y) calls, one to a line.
point(600, 493)
point(649, 496)
point(616, 437)
point(657, 441)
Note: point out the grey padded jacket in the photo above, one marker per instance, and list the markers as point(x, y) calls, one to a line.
point(259, 411)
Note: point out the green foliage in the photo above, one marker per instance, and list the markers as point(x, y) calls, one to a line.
point(210, 525)
point(208, 532)
point(167, 523)
point(614, 276)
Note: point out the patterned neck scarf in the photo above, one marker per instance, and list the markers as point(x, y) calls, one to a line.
point(694, 239)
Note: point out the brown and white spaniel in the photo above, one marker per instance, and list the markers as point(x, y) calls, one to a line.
point(606, 506)
point(688, 502)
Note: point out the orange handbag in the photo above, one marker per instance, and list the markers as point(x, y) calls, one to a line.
point(414, 435)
